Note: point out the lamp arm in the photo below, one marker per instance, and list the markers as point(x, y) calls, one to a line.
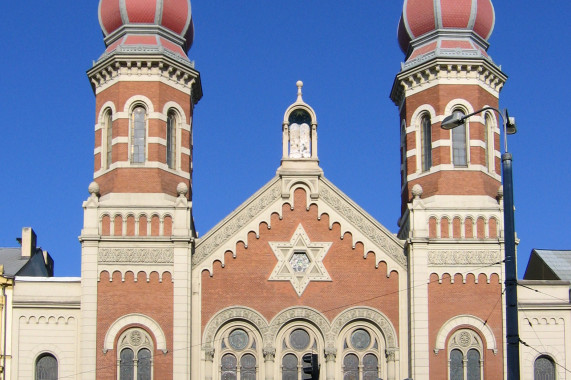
point(502, 115)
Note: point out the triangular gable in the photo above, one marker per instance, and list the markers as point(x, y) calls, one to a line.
point(271, 198)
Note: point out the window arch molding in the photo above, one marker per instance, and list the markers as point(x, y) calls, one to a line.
point(135, 100)
point(177, 108)
point(229, 315)
point(425, 110)
point(229, 341)
point(468, 321)
point(304, 315)
point(352, 342)
point(135, 319)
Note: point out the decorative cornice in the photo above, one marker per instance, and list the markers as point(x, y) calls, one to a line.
point(232, 224)
point(370, 228)
point(458, 257)
point(137, 62)
point(447, 70)
point(136, 255)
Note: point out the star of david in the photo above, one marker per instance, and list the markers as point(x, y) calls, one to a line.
point(300, 261)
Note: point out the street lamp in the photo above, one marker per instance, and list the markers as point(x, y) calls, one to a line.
point(512, 325)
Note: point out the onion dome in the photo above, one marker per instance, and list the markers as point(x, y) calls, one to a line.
point(452, 24)
point(147, 26)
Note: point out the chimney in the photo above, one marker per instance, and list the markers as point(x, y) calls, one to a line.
point(28, 242)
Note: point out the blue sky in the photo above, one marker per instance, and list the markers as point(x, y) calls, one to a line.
point(250, 54)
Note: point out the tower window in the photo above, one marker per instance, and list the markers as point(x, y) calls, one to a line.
point(299, 134)
point(426, 143)
point(459, 152)
point(138, 135)
point(487, 130)
point(135, 355)
point(171, 139)
point(46, 367)
point(544, 368)
point(109, 139)
point(465, 361)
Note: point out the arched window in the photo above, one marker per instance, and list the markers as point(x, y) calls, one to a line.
point(171, 139)
point(238, 355)
point(299, 134)
point(544, 368)
point(109, 139)
point(459, 151)
point(465, 358)
point(403, 153)
point(135, 358)
point(138, 135)
point(361, 354)
point(46, 367)
point(296, 342)
point(488, 128)
point(426, 142)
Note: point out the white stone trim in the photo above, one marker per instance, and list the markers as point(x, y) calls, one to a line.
point(465, 320)
point(135, 318)
point(135, 99)
point(157, 140)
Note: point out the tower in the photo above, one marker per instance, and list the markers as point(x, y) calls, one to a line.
point(138, 230)
point(451, 196)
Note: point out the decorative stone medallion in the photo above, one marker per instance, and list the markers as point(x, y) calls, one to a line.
point(300, 261)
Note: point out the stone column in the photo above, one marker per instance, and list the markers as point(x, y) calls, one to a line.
point(392, 358)
point(208, 361)
point(269, 361)
point(330, 355)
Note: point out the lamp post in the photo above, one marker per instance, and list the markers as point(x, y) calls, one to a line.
point(512, 324)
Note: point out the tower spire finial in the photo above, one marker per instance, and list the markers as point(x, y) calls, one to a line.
point(299, 85)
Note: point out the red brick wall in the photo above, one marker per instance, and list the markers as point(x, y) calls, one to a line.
point(244, 280)
point(482, 300)
point(116, 299)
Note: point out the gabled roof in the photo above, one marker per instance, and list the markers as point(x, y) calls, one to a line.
point(259, 207)
point(547, 264)
point(17, 265)
point(12, 260)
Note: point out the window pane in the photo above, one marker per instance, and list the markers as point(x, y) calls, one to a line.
point(109, 124)
point(289, 367)
point(229, 368)
point(299, 339)
point(126, 368)
point(459, 144)
point(248, 367)
point(544, 369)
point(46, 368)
point(456, 368)
point(144, 364)
point(360, 339)
point(487, 129)
point(370, 367)
point(138, 137)
point(426, 143)
point(473, 365)
point(171, 140)
point(351, 367)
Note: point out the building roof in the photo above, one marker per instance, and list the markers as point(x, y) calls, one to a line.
point(12, 260)
point(545, 264)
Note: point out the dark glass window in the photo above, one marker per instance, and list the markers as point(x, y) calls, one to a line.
point(487, 130)
point(351, 367)
point(109, 142)
point(144, 364)
point(248, 367)
point(127, 368)
point(426, 136)
point(473, 365)
point(138, 137)
point(171, 139)
point(229, 367)
point(370, 367)
point(544, 368)
point(459, 153)
point(456, 365)
point(289, 367)
point(46, 368)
